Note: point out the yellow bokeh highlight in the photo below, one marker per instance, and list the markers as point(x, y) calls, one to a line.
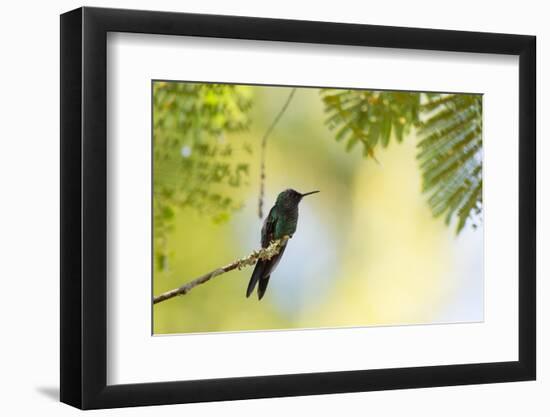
point(397, 257)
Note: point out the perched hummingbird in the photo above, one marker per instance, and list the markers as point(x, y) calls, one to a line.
point(281, 221)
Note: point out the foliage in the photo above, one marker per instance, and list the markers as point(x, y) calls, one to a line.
point(450, 156)
point(368, 117)
point(193, 156)
point(450, 147)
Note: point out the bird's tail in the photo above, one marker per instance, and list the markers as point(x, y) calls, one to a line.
point(262, 286)
point(256, 275)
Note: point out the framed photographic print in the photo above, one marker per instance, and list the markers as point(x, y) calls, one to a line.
point(257, 207)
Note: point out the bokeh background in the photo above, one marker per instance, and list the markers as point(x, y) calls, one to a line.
point(370, 249)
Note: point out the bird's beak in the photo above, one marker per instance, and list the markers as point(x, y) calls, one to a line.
point(311, 192)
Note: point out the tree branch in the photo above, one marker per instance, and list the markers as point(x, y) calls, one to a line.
point(264, 253)
point(262, 158)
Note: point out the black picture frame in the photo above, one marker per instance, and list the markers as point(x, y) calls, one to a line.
point(84, 207)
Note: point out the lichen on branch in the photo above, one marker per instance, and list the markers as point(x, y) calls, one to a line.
point(264, 254)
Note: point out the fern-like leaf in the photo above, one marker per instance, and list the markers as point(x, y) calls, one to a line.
point(450, 156)
point(370, 117)
point(450, 146)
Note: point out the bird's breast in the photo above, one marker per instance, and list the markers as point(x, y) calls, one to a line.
point(287, 223)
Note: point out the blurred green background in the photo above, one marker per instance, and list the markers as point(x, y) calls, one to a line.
point(394, 237)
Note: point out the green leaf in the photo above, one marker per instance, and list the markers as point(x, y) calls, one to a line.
point(369, 116)
point(449, 150)
point(450, 157)
point(386, 131)
point(167, 213)
point(351, 143)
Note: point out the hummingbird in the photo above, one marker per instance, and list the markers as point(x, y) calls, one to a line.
point(281, 221)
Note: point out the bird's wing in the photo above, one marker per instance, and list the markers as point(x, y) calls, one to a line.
point(268, 229)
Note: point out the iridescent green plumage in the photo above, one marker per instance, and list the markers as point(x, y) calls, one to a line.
point(281, 221)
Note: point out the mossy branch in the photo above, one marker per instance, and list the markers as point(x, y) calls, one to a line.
point(264, 253)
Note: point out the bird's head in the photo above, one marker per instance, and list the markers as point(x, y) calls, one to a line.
point(291, 197)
